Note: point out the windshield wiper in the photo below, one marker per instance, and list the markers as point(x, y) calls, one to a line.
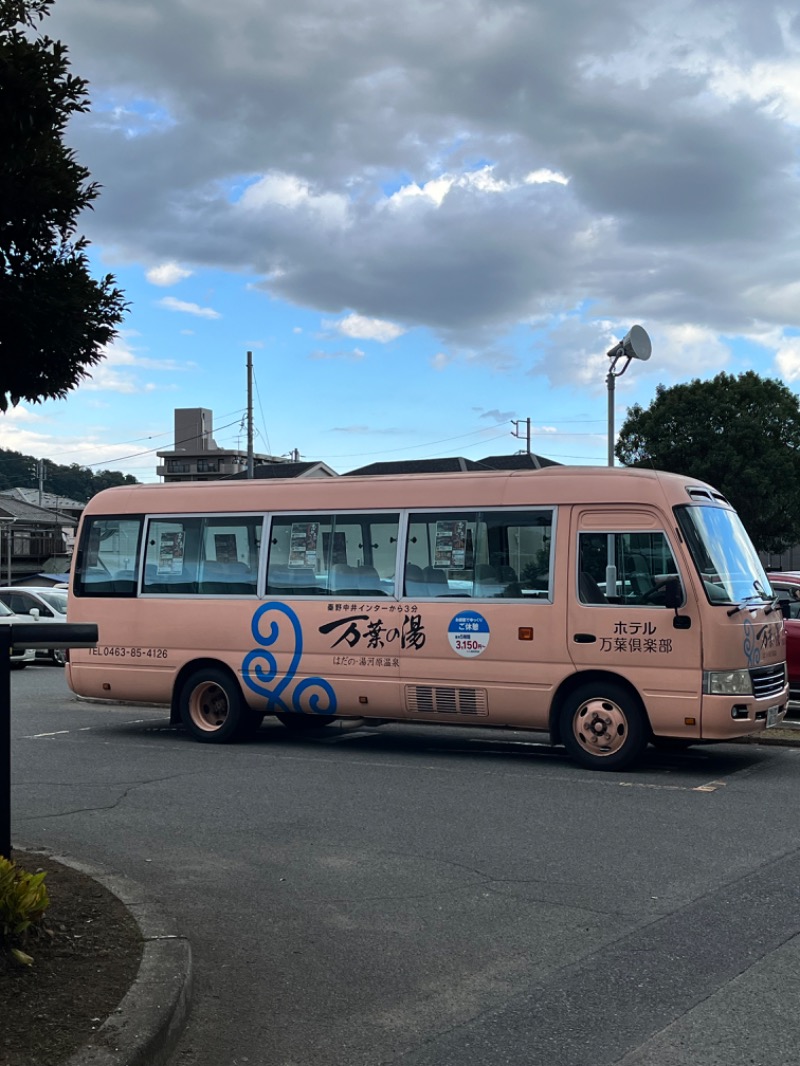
point(747, 600)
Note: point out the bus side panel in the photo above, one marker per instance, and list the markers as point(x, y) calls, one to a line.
point(484, 662)
point(290, 656)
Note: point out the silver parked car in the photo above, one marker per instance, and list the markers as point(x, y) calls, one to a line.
point(20, 657)
point(38, 603)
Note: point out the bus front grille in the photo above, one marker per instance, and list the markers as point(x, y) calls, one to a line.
point(768, 681)
point(429, 699)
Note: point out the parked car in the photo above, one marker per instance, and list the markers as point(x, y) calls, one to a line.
point(38, 603)
point(786, 587)
point(20, 657)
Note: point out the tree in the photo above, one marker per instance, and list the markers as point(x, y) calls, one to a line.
point(54, 317)
point(740, 434)
point(74, 482)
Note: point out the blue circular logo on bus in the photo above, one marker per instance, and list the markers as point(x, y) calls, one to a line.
point(468, 634)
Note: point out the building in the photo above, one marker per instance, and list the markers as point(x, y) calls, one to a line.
point(51, 501)
point(288, 468)
point(196, 456)
point(33, 540)
point(455, 465)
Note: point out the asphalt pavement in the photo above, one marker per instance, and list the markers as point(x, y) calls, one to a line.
point(413, 897)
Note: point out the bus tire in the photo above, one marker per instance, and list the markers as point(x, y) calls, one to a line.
point(305, 723)
point(58, 656)
point(212, 707)
point(603, 726)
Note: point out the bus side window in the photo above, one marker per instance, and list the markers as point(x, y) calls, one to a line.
point(502, 554)
point(348, 555)
point(108, 556)
point(626, 569)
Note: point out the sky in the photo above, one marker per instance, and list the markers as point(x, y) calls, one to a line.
point(429, 221)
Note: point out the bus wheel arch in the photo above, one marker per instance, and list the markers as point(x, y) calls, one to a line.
point(601, 720)
point(208, 701)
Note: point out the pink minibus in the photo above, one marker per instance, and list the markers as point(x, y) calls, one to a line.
point(610, 608)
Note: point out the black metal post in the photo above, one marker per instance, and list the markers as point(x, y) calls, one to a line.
point(5, 741)
point(40, 635)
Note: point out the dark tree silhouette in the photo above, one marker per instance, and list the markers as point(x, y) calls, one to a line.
point(54, 317)
point(740, 434)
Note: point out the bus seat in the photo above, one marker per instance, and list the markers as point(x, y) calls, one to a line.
point(343, 580)
point(291, 581)
point(436, 580)
point(124, 581)
point(589, 589)
point(303, 581)
point(414, 583)
point(369, 582)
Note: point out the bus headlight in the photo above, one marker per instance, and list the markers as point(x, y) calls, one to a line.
point(727, 683)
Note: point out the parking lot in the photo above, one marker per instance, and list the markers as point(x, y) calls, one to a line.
point(420, 896)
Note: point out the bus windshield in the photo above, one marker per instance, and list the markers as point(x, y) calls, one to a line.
point(724, 555)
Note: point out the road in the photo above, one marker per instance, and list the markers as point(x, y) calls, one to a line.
point(417, 896)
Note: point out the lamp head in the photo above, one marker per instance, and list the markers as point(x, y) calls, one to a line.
point(634, 345)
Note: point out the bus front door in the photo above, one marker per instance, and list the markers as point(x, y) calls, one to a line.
point(618, 621)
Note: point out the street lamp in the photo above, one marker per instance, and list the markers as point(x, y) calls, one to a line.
point(634, 345)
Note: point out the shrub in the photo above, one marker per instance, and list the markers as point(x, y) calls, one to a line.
point(23, 901)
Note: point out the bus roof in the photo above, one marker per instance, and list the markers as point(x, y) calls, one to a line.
point(469, 489)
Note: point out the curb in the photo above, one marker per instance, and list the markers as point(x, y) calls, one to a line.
point(144, 1028)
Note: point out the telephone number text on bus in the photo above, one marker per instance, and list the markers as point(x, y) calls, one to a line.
point(114, 651)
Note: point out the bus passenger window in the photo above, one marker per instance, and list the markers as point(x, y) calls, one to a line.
point(349, 556)
point(502, 554)
point(215, 555)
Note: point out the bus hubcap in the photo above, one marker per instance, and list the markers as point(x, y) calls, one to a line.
point(600, 727)
point(208, 707)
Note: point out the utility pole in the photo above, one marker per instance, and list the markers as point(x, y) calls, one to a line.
point(516, 431)
point(250, 462)
point(40, 475)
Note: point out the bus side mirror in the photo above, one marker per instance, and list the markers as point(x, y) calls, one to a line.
point(673, 597)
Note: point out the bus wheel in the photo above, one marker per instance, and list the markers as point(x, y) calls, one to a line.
point(58, 656)
point(212, 708)
point(304, 723)
point(603, 726)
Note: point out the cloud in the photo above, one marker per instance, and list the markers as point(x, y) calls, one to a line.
point(496, 416)
point(167, 274)
point(787, 359)
point(171, 304)
point(289, 191)
point(465, 168)
point(372, 329)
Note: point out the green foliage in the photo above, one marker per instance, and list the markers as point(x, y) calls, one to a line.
point(74, 482)
point(54, 317)
point(740, 434)
point(23, 902)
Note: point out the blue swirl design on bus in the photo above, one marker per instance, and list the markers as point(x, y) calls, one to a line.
point(260, 668)
point(751, 649)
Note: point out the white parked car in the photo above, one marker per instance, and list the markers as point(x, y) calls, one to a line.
point(38, 603)
point(20, 657)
